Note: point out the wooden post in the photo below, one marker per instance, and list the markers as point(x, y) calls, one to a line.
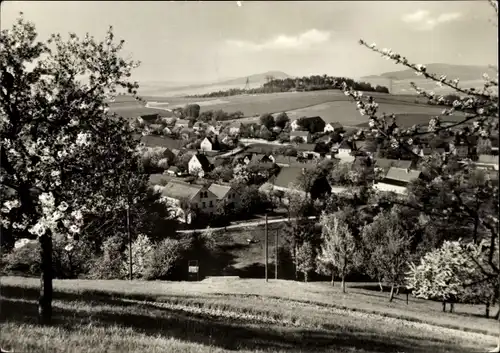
point(266, 250)
point(129, 243)
point(276, 255)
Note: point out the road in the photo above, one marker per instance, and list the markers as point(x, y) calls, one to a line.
point(244, 224)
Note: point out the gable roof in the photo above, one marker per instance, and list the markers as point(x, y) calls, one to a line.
point(220, 191)
point(388, 163)
point(485, 158)
point(335, 125)
point(182, 121)
point(156, 179)
point(306, 147)
point(179, 190)
point(345, 144)
point(299, 133)
point(235, 124)
point(403, 175)
point(205, 163)
point(317, 117)
point(280, 159)
point(287, 176)
point(161, 141)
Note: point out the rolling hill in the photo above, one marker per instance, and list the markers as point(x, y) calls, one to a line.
point(256, 80)
point(470, 77)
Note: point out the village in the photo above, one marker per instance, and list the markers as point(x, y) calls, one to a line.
point(197, 162)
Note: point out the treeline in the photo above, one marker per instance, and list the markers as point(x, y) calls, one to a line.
point(304, 84)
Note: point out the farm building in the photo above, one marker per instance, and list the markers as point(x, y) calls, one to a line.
point(225, 194)
point(387, 164)
point(333, 127)
point(312, 124)
point(397, 179)
point(209, 144)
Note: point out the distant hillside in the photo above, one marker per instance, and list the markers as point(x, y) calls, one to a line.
point(464, 72)
point(256, 80)
point(470, 77)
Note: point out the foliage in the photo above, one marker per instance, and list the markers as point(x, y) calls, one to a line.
point(305, 259)
point(109, 264)
point(311, 125)
point(339, 247)
point(192, 111)
point(267, 120)
point(387, 248)
point(142, 257)
point(23, 260)
point(281, 120)
point(165, 256)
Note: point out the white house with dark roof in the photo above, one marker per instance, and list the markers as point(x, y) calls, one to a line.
point(209, 144)
point(397, 179)
point(234, 128)
point(331, 127)
point(199, 165)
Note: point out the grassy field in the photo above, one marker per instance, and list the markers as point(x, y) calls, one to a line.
point(223, 316)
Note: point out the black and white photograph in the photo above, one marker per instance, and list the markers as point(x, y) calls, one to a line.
point(249, 176)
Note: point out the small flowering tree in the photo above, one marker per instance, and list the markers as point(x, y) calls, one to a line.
point(63, 155)
point(142, 257)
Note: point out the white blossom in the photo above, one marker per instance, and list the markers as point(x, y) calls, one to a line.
point(55, 173)
point(74, 229)
point(82, 139)
point(77, 215)
point(420, 67)
point(373, 45)
point(47, 199)
point(38, 229)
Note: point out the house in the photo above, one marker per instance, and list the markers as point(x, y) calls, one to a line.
point(210, 129)
point(307, 151)
point(312, 124)
point(198, 126)
point(199, 165)
point(209, 144)
point(157, 179)
point(397, 179)
point(182, 123)
point(427, 151)
point(483, 144)
point(225, 194)
point(179, 194)
point(261, 158)
point(386, 164)
point(305, 136)
point(160, 141)
point(166, 131)
point(331, 127)
point(459, 150)
point(173, 171)
point(346, 147)
point(284, 161)
point(234, 128)
point(286, 181)
point(486, 161)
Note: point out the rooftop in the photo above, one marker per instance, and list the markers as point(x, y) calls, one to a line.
point(486, 158)
point(404, 175)
point(179, 190)
point(299, 133)
point(288, 177)
point(219, 190)
point(385, 163)
point(205, 163)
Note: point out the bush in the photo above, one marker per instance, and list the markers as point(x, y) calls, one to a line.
point(109, 264)
point(24, 260)
point(142, 257)
point(164, 258)
point(70, 262)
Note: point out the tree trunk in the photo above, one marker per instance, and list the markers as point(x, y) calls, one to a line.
point(444, 306)
point(381, 286)
point(452, 306)
point(305, 276)
point(391, 296)
point(295, 261)
point(343, 284)
point(333, 280)
point(46, 290)
point(397, 290)
point(487, 313)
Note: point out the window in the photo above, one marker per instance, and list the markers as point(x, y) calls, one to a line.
point(211, 204)
point(203, 204)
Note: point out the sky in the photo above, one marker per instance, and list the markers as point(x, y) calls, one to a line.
point(201, 41)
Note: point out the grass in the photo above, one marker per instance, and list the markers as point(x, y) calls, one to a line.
point(223, 316)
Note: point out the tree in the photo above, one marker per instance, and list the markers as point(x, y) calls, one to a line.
point(480, 118)
point(387, 248)
point(281, 120)
point(305, 259)
point(63, 155)
point(192, 111)
point(163, 259)
point(267, 120)
point(338, 248)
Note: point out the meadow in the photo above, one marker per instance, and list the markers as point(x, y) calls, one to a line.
point(217, 315)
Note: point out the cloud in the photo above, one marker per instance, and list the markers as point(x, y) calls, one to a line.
point(304, 40)
point(424, 21)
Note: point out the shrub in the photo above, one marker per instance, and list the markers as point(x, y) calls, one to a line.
point(24, 260)
point(164, 258)
point(142, 256)
point(109, 264)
